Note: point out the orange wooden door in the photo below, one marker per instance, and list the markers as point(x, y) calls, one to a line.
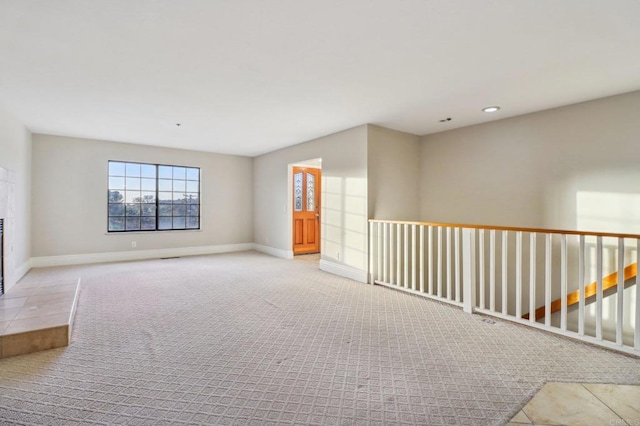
point(306, 210)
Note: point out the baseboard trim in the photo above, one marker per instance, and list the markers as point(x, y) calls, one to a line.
point(344, 270)
point(284, 254)
point(120, 256)
point(22, 270)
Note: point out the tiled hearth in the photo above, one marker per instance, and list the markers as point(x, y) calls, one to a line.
point(35, 316)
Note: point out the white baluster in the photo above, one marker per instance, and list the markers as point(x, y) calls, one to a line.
point(399, 254)
point(505, 255)
point(563, 282)
point(519, 274)
point(439, 280)
point(405, 233)
point(636, 336)
point(492, 270)
point(448, 254)
point(620, 291)
point(532, 277)
point(456, 235)
point(421, 259)
point(481, 265)
point(414, 265)
point(581, 284)
point(468, 270)
point(599, 288)
point(385, 247)
point(547, 281)
point(430, 241)
point(371, 254)
point(380, 255)
point(392, 255)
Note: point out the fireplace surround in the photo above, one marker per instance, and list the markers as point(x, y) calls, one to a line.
point(7, 222)
point(1, 256)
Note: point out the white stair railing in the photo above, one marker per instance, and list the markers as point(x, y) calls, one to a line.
point(420, 258)
point(567, 282)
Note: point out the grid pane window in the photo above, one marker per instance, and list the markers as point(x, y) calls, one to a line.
point(152, 197)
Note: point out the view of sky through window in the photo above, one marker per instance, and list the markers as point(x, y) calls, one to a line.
point(153, 197)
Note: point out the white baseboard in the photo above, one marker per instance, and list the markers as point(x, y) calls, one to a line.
point(285, 254)
point(344, 270)
point(78, 259)
point(12, 278)
point(22, 270)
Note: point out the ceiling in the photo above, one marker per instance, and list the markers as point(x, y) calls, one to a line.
point(251, 76)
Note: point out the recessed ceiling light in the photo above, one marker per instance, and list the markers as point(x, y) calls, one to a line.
point(491, 109)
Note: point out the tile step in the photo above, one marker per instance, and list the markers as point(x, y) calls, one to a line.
point(37, 316)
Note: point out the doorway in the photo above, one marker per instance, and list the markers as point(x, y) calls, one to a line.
point(306, 190)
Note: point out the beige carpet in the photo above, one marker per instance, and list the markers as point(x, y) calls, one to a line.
point(250, 339)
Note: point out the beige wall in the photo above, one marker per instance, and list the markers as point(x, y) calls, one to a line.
point(15, 155)
point(70, 202)
point(344, 196)
point(393, 169)
point(575, 167)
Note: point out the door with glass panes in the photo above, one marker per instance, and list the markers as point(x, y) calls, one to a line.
point(306, 210)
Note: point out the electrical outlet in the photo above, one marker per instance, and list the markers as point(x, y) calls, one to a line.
point(133, 244)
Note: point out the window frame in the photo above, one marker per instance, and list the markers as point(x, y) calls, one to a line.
point(156, 202)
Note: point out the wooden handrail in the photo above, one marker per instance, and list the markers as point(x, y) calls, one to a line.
point(509, 228)
point(608, 282)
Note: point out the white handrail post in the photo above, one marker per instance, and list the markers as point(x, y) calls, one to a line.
point(468, 270)
point(371, 253)
point(386, 253)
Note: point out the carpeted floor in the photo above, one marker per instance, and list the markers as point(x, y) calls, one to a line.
point(246, 338)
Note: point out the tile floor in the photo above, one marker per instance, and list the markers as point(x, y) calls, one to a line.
point(36, 316)
point(582, 404)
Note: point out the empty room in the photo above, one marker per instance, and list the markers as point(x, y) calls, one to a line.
point(419, 212)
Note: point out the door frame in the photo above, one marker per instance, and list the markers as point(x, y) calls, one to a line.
point(288, 207)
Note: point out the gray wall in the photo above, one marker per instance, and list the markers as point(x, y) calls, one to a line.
point(393, 168)
point(15, 155)
point(575, 167)
point(70, 197)
point(344, 196)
